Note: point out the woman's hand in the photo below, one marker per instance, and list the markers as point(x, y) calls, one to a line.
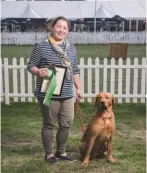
point(43, 72)
point(79, 94)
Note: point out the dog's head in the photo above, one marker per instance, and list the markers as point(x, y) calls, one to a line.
point(104, 100)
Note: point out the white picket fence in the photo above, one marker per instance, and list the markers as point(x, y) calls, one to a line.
point(30, 38)
point(123, 78)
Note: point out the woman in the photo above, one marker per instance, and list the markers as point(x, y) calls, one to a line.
point(57, 51)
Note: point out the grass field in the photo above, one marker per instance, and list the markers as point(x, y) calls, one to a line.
point(85, 51)
point(22, 151)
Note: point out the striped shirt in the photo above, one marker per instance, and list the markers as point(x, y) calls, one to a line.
point(43, 55)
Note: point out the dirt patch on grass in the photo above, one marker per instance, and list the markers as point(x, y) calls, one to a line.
point(138, 134)
point(14, 144)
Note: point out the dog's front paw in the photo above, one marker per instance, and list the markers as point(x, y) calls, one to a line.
point(84, 163)
point(112, 160)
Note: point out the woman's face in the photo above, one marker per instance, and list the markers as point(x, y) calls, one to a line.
point(60, 30)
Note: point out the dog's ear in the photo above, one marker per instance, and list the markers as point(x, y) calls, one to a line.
point(96, 99)
point(113, 101)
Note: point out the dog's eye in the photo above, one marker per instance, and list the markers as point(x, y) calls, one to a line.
point(107, 97)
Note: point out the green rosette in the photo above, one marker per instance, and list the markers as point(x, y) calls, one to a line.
point(51, 87)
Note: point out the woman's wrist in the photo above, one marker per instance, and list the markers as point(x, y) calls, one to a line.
point(34, 70)
point(79, 88)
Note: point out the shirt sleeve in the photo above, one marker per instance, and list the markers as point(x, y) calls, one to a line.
point(35, 58)
point(75, 64)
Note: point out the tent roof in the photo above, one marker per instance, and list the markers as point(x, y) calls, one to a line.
point(28, 12)
point(133, 9)
point(102, 12)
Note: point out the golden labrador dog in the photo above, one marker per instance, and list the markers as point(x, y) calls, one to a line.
point(99, 132)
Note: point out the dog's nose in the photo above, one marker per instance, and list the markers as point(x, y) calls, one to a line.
point(102, 102)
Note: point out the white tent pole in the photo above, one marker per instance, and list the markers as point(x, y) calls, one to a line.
point(95, 16)
point(136, 25)
point(130, 25)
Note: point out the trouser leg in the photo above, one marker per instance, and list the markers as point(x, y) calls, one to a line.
point(49, 115)
point(65, 119)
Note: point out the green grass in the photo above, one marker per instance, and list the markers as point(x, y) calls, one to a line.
point(93, 51)
point(22, 151)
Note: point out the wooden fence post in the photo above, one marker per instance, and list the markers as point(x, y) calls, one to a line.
point(82, 76)
point(143, 79)
point(112, 78)
point(97, 76)
point(105, 75)
point(120, 62)
point(6, 81)
point(128, 63)
point(89, 81)
point(135, 81)
point(1, 79)
point(15, 79)
point(22, 79)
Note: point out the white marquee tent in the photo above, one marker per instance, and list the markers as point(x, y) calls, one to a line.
point(102, 12)
point(28, 12)
point(133, 9)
